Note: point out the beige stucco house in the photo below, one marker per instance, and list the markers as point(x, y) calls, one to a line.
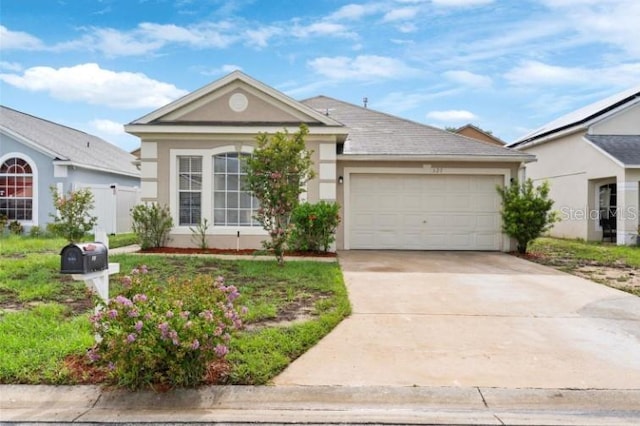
point(591, 158)
point(401, 184)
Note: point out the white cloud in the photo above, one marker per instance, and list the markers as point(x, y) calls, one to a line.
point(364, 67)
point(535, 73)
point(353, 11)
point(107, 127)
point(18, 40)
point(401, 14)
point(261, 36)
point(115, 43)
point(407, 27)
point(91, 84)
point(529, 73)
point(224, 69)
point(614, 22)
point(321, 29)
point(461, 3)
point(10, 66)
point(452, 115)
point(468, 78)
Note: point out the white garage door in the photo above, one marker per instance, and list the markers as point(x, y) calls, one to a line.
point(424, 212)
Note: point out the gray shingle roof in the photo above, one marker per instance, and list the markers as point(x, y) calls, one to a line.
point(68, 144)
point(624, 148)
point(582, 115)
point(376, 133)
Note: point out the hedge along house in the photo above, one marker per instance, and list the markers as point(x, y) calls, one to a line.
point(401, 185)
point(36, 154)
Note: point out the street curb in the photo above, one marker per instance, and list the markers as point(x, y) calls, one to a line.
point(321, 404)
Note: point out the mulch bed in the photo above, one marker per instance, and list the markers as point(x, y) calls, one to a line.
point(241, 252)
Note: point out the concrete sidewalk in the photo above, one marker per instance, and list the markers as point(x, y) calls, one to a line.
point(320, 405)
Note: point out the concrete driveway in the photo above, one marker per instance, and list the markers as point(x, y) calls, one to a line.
point(474, 319)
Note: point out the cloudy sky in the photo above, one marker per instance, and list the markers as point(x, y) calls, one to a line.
point(506, 66)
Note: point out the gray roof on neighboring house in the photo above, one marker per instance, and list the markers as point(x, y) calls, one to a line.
point(376, 133)
point(624, 148)
point(582, 115)
point(67, 144)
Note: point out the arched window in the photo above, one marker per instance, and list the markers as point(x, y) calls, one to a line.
point(16, 189)
point(233, 205)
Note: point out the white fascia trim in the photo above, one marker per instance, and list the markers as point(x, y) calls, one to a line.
point(526, 158)
point(100, 169)
point(236, 75)
point(551, 137)
point(160, 129)
point(28, 142)
point(603, 152)
point(426, 169)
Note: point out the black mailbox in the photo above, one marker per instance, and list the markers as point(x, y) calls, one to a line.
point(84, 258)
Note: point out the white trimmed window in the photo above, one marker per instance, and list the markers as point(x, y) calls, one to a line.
point(210, 184)
point(233, 205)
point(189, 190)
point(16, 189)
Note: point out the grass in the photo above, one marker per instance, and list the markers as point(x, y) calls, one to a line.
point(575, 252)
point(34, 343)
point(22, 245)
point(570, 255)
point(36, 338)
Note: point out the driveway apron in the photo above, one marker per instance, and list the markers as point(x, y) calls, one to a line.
point(474, 319)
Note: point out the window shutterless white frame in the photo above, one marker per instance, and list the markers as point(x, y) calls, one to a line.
point(191, 171)
point(207, 192)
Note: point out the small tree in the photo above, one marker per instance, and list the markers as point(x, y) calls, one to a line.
point(526, 211)
point(72, 220)
point(276, 174)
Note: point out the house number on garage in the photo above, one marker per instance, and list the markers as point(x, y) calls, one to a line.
point(436, 170)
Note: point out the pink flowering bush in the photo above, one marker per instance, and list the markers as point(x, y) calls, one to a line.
point(165, 333)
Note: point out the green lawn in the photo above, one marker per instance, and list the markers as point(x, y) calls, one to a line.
point(44, 315)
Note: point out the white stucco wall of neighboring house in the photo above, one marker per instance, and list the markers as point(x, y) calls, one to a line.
point(626, 122)
point(574, 170)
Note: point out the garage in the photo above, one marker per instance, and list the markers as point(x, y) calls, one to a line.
point(424, 212)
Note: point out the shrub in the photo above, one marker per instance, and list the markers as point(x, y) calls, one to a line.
point(165, 334)
point(200, 234)
point(72, 220)
point(526, 212)
point(151, 224)
point(15, 227)
point(3, 223)
point(314, 226)
point(35, 232)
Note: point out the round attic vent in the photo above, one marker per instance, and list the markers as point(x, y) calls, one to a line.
point(238, 102)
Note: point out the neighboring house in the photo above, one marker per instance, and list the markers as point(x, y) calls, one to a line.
point(36, 154)
point(401, 185)
point(471, 131)
point(591, 158)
